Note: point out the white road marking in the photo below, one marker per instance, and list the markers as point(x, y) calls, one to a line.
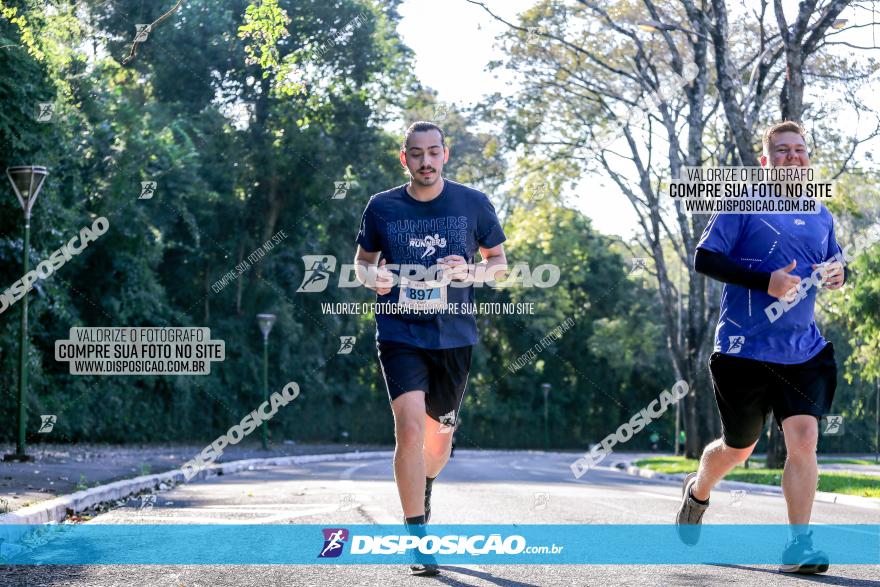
point(349, 472)
point(377, 512)
point(659, 496)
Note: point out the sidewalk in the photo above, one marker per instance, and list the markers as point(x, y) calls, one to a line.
point(60, 469)
point(824, 465)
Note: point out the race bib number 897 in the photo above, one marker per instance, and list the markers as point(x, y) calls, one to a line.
point(419, 295)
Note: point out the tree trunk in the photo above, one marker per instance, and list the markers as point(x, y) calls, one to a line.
point(727, 84)
point(207, 296)
point(792, 96)
point(701, 421)
point(240, 285)
point(273, 202)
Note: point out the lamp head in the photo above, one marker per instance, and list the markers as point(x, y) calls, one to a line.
point(27, 181)
point(265, 322)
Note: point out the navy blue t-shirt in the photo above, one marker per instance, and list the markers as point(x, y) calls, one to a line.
point(767, 242)
point(410, 232)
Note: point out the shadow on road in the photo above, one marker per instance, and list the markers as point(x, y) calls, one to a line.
point(825, 578)
point(479, 575)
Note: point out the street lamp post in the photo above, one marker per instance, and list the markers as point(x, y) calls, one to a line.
point(265, 321)
point(545, 387)
point(27, 181)
point(679, 337)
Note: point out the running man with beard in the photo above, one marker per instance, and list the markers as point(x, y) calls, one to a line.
point(425, 353)
point(784, 366)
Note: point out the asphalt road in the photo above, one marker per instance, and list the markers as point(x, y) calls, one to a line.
point(476, 487)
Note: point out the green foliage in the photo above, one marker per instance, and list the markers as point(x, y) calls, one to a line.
point(265, 24)
point(225, 186)
point(862, 312)
point(592, 389)
point(245, 115)
point(26, 33)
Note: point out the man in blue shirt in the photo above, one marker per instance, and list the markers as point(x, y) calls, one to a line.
point(427, 233)
point(769, 360)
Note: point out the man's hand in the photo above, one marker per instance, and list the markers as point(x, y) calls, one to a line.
point(380, 279)
point(455, 267)
point(783, 285)
point(832, 274)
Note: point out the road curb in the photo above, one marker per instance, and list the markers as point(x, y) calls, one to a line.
point(15, 524)
point(822, 496)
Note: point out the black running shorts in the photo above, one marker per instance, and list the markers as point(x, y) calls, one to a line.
point(441, 373)
point(746, 390)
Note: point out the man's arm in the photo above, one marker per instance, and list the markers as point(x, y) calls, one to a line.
point(374, 277)
point(779, 283)
point(835, 274)
point(492, 268)
point(493, 265)
point(720, 267)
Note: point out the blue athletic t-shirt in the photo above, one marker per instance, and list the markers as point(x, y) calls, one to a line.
point(767, 242)
point(410, 232)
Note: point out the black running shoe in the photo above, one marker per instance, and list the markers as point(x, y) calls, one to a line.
point(800, 557)
point(424, 570)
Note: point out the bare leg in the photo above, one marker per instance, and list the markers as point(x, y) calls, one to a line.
point(717, 461)
point(438, 444)
point(409, 462)
point(801, 473)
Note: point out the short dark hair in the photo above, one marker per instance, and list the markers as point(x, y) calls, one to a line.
point(422, 126)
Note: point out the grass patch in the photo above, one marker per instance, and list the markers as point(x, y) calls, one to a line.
point(847, 461)
point(833, 481)
point(826, 461)
point(669, 464)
